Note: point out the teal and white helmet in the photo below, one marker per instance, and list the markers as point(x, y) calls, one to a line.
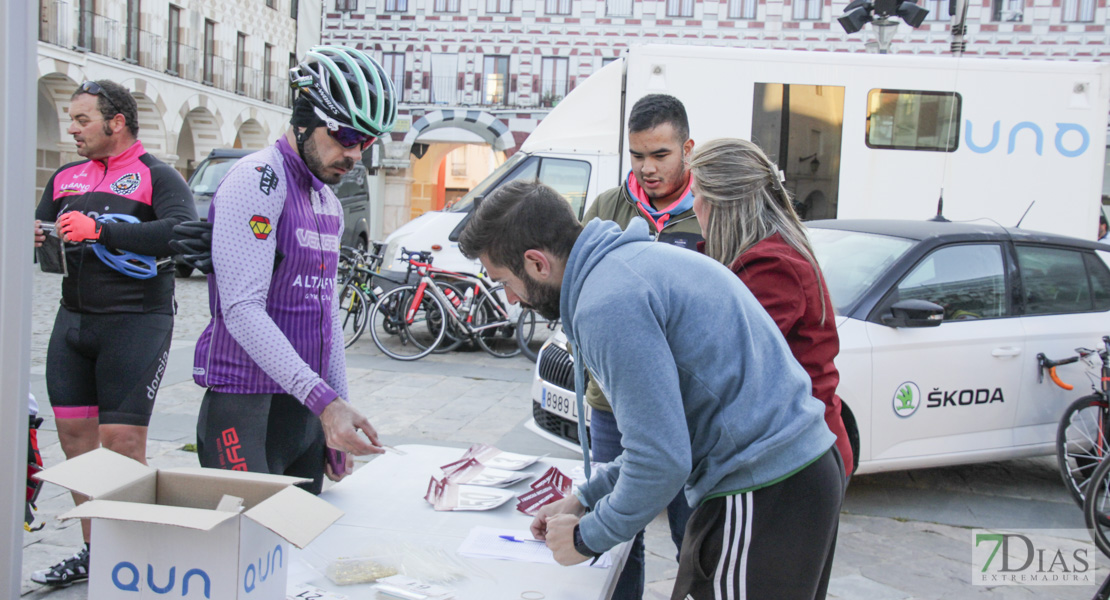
point(347, 86)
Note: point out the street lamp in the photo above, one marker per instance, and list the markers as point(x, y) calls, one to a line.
point(881, 13)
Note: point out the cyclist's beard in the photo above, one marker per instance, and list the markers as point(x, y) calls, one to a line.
point(317, 166)
point(542, 297)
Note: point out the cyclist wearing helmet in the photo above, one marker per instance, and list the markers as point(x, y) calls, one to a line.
point(272, 356)
point(111, 339)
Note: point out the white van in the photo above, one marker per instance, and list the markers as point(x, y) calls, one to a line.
point(866, 136)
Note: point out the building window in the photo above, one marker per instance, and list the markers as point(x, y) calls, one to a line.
point(394, 65)
point(553, 82)
point(209, 50)
point(131, 47)
point(172, 37)
point(345, 5)
point(446, 79)
point(680, 8)
point(267, 72)
point(499, 6)
point(1079, 11)
point(270, 4)
point(1007, 10)
point(557, 7)
point(496, 84)
point(938, 10)
point(241, 63)
point(618, 8)
point(294, 6)
point(396, 5)
point(807, 10)
point(743, 9)
point(912, 120)
point(607, 60)
point(449, 6)
point(85, 20)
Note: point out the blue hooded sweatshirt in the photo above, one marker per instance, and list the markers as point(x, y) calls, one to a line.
point(706, 393)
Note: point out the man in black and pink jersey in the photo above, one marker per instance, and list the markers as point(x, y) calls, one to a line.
point(272, 357)
point(116, 211)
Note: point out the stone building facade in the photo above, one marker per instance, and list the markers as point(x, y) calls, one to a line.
point(205, 73)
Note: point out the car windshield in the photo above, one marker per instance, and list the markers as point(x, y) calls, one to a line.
point(208, 176)
point(464, 204)
point(852, 261)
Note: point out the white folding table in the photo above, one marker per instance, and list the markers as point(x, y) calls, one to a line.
point(384, 507)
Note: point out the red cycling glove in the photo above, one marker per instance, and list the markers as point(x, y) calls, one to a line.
point(79, 227)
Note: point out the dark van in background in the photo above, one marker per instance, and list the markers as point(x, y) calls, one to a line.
point(352, 191)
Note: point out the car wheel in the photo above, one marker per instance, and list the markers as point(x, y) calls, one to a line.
point(361, 244)
point(182, 271)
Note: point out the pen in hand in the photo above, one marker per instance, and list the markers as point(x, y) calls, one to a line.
point(518, 540)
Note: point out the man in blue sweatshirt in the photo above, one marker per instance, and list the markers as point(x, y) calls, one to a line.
point(704, 389)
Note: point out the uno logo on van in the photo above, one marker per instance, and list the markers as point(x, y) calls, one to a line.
point(1034, 130)
point(126, 570)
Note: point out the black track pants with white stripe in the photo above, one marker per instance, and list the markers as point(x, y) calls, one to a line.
point(769, 544)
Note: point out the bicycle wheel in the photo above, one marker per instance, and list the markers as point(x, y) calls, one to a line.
point(354, 310)
point(455, 334)
point(1081, 443)
point(532, 331)
point(1096, 507)
point(400, 327)
point(498, 340)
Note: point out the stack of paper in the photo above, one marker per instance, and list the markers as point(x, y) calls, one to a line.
point(492, 457)
point(514, 544)
point(550, 487)
point(444, 495)
point(469, 470)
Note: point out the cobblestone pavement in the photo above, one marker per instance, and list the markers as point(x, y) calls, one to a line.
point(902, 535)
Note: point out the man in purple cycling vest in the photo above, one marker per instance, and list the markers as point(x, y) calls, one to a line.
point(272, 356)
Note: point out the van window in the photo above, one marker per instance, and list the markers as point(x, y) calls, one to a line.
point(913, 120)
point(568, 177)
point(1057, 281)
point(967, 280)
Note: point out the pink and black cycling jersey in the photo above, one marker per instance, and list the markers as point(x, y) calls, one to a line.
point(275, 327)
point(132, 183)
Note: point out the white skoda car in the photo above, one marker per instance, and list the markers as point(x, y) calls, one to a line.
point(940, 325)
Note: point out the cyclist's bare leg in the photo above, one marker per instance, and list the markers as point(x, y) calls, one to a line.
point(78, 436)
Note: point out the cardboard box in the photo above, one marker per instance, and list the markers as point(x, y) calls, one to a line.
point(189, 532)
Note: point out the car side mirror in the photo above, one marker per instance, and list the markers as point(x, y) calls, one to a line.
point(914, 313)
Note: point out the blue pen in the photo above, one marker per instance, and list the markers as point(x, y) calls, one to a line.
point(510, 538)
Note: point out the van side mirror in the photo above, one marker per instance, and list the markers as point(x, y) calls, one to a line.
point(914, 313)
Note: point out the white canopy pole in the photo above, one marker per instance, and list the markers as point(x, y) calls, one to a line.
point(17, 188)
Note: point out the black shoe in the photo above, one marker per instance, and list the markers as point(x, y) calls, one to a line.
point(69, 571)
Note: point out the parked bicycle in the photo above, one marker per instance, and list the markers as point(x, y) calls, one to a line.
point(532, 332)
point(358, 291)
point(1083, 436)
point(412, 321)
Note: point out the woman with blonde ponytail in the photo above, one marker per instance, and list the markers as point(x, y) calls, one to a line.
point(750, 226)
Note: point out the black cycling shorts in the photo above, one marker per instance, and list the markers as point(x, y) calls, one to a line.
point(107, 366)
point(262, 433)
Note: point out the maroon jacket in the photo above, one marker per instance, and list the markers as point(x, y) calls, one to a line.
point(784, 283)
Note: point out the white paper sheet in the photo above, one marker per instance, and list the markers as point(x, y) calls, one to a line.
point(486, 542)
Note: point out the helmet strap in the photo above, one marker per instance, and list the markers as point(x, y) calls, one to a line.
point(304, 115)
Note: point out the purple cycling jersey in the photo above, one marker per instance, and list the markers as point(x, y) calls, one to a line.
point(274, 329)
